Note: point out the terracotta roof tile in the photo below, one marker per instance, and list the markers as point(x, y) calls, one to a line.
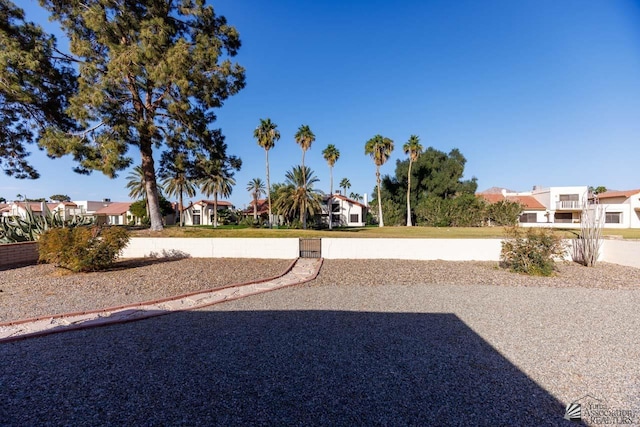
point(529, 202)
point(612, 194)
point(116, 208)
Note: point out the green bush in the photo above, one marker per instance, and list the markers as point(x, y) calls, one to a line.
point(532, 251)
point(82, 248)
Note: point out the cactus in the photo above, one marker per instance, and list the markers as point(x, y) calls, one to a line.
point(15, 229)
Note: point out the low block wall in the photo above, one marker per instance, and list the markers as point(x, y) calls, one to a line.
point(14, 254)
point(624, 252)
point(418, 249)
point(212, 247)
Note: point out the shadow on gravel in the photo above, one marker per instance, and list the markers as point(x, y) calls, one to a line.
point(270, 368)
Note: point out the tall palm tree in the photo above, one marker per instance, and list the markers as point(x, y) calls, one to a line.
point(379, 148)
point(331, 154)
point(298, 193)
point(266, 134)
point(345, 184)
point(218, 180)
point(176, 180)
point(304, 138)
point(256, 188)
point(413, 148)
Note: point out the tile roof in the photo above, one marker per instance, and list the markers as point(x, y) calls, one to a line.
point(115, 208)
point(346, 199)
point(529, 202)
point(612, 194)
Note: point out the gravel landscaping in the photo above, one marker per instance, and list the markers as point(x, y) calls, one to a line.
point(40, 290)
point(369, 342)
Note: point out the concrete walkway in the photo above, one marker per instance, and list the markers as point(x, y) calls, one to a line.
point(302, 270)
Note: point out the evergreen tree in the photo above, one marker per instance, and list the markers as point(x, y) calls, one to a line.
point(151, 73)
point(34, 89)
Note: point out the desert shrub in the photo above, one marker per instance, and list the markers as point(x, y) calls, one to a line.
point(532, 251)
point(82, 248)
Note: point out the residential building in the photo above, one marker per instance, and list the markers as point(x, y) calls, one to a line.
point(201, 212)
point(345, 212)
point(114, 213)
point(562, 206)
point(621, 208)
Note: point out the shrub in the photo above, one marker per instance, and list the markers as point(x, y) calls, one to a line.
point(82, 248)
point(531, 252)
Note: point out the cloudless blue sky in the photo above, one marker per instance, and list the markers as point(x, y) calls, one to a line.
point(539, 92)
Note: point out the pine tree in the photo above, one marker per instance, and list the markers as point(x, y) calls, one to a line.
point(151, 73)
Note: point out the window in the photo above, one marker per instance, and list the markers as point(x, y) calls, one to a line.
point(563, 217)
point(613, 217)
point(569, 198)
point(529, 217)
point(354, 218)
point(196, 218)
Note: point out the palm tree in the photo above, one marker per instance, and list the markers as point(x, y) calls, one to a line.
point(355, 196)
point(413, 148)
point(175, 179)
point(379, 148)
point(256, 188)
point(345, 184)
point(298, 193)
point(331, 154)
point(218, 180)
point(266, 134)
point(304, 138)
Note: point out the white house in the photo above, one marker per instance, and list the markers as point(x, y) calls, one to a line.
point(562, 206)
point(201, 212)
point(115, 213)
point(621, 208)
point(344, 211)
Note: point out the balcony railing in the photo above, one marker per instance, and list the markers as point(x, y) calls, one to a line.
point(568, 205)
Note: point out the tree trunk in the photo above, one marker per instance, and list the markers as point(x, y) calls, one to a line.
point(255, 207)
point(303, 213)
point(215, 209)
point(181, 209)
point(330, 197)
point(153, 200)
point(409, 194)
point(268, 186)
point(380, 220)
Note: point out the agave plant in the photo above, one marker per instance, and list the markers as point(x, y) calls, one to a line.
point(16, 229)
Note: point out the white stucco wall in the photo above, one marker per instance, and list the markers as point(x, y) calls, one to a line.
point(213, 248)
point(418, 249)
point(623, 252)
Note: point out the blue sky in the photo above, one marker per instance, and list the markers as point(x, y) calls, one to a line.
point(532, 92)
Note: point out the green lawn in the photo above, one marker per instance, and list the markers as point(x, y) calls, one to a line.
point(364, 232)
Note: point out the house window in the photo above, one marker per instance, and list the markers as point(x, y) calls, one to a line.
point(115, 220)
point(196, 218)
point(335, 207)
point(354, 218)
point(569, 198)
point(529, 217)
point(613, 218)
point(563, 217)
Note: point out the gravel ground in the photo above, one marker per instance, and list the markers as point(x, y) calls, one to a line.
point(366, 343)
point(40, 290)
